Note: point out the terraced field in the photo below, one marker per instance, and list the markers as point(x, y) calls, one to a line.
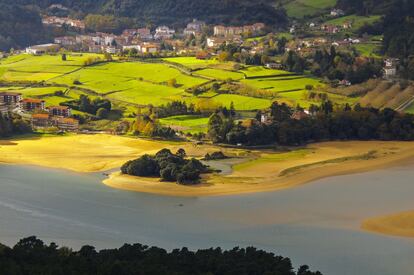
point(132, 84)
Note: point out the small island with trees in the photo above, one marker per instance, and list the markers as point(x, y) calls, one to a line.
point(167, 166)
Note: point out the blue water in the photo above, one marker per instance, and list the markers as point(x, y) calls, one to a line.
point(315, 224)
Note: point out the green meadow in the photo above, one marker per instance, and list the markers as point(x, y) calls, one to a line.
point(282, 83)
point(186, 123)
point(302, 8)
point(135, 84)
point(220, 74)
point(191, 62)
point(356, 20)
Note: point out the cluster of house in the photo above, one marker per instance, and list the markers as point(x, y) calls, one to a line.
point(231, 31)
point(61, 21)
point(41, 116)
point(143, 40)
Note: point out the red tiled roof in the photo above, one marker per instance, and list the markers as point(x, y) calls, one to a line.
point(59, 107)
point(40, 116)
point(32, 100)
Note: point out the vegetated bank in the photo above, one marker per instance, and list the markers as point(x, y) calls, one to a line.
point(32, 256)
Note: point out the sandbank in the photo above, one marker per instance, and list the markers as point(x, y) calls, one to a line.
point(276, 171)
point(400, 224)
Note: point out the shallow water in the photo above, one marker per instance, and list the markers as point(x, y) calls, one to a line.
point(315, 224)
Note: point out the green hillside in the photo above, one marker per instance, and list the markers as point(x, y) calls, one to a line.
point(302, 8)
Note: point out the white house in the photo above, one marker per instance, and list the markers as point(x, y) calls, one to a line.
point(41, 49)
point(164, 32)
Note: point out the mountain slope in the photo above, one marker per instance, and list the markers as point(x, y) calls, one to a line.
point(175, 11)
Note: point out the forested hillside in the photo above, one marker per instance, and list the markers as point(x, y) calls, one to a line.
point(365, 7)
point(19, 25)
point(175, 11)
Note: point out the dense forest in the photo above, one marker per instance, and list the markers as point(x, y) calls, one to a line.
point(32, 256)
point(172, 11)
point(19, 26)
point(287, 126)
point(365, 7)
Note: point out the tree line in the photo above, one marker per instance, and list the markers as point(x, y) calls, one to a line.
point(32, 256)
point(291, 126)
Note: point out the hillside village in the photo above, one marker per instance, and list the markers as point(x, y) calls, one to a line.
point(325, 53)
point(203, 41)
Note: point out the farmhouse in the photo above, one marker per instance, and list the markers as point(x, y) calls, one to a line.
point(60, 21)
point(65, 40)
point(194, 28)
point(213, 42)
point(42, 49)
point(31, 104)
point(65, 124)
point(390, 67)
point(62, 123)
point(63, 111)
point(130, 47)
point(40, 121)
point(164, 32)
point(274, 65)
point(10, 99)
point(149, 48)
point(144, 34)
point(337, 13)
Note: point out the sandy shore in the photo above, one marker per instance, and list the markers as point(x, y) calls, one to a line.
point(254, 171)
point(86, 153)
point(276, 171)
point(79, 153)
point(400, 224)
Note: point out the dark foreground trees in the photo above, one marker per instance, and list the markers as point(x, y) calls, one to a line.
point(32, 256)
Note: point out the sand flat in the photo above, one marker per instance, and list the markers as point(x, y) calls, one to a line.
point(265, 172)
point(254, 171)
point(400, 224)
point(79, 153)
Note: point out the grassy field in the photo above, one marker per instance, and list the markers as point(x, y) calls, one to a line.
point(357, 21)
point(256, 71)
point(282, 84)
point(186, 123)
point(132, 84)
point(220, 74)
point(368, 49)
point(302, 8)
point(39, 68)
point(191, 62)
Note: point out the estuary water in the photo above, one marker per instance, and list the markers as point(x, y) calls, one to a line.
point(315, 224)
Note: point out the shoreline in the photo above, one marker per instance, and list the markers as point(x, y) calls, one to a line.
point(255, 171)
point(214, 186)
